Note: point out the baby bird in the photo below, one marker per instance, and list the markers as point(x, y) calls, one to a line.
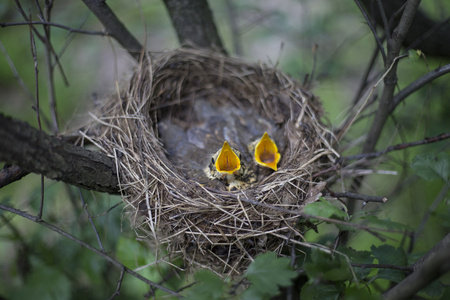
point(226, 165)
point(266, 152)
point(227, 160)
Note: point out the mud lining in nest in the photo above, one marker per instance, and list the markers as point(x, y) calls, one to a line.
point(169, 199)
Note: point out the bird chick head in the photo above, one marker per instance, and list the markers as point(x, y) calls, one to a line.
point(266, 152)
point(227, 162)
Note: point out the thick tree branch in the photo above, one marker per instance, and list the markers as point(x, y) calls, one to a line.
point(9, 174)
point(393, 46)
point(38, 152)
point(114, 27)
point(432, 37)
point(194, 24)
point(430, 267)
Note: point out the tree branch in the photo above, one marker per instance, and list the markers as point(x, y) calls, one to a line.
point(87, 246)
point(38, 152)
point(114, 27)
point(393, 45)
point(365, 198)
point(430, 267)
point(71, 30)
point(429, 140)
point(430, 36)
point(194, 24)
point(9, 174)
point(414, 86)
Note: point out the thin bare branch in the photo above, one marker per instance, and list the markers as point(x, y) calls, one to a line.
point(52, 24)
point(417, 84)
point(365, 198)
point(58, 230)
point(402, 146)
point(382, 266)
point(372, 28)
point(100, 244)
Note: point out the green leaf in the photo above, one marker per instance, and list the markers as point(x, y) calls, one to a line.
point(266, 273)
point(208, 286)
point(325, 209)
point(313, 291)
point(433, 290)
point(431, 166)
point(389, 255)
point(325, 266)
point(354, 293)
point(360, 257)
point(46, 283)
point(375, 221)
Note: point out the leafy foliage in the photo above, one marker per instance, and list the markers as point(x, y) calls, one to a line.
point(208, 286)
point(325, 209)
point(391, 256)
point(267, 273)
point(431, 166)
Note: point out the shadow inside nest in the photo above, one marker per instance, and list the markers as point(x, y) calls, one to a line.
point(191, 141)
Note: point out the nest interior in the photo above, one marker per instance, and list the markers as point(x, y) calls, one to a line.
point(162, 131)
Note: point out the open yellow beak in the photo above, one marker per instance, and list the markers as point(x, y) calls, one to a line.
point(266, 152)
point(227, 161)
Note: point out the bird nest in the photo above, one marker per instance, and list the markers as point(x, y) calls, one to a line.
point(163, 130)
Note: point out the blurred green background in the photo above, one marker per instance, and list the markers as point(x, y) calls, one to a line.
point(39, 264)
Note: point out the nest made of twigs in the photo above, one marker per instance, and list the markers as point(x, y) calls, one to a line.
point(151, 127)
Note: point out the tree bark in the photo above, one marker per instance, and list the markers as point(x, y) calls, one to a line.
point(35, 151)
point(194, 24)
point(430, 36)
point(431, 266)
point(114, 27)
point(394, 44)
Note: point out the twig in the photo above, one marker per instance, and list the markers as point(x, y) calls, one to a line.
point(417, 84)
point(430, 210)
point(119, 285)
point(52, 24)
point(232, 15)
point(42, 39)
point(387, 28)
point(350, 122)
point(433, 139)
point(45, 16)
point(87, 246)
point(19, 79)
point(38, 116)
point(383, 266)
point(91, 221)
point(114, 27)
point(427, 34)
point(329, 220)
point(356, 196)
point(364, 78)
point(333, 169)
point(372, 28)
